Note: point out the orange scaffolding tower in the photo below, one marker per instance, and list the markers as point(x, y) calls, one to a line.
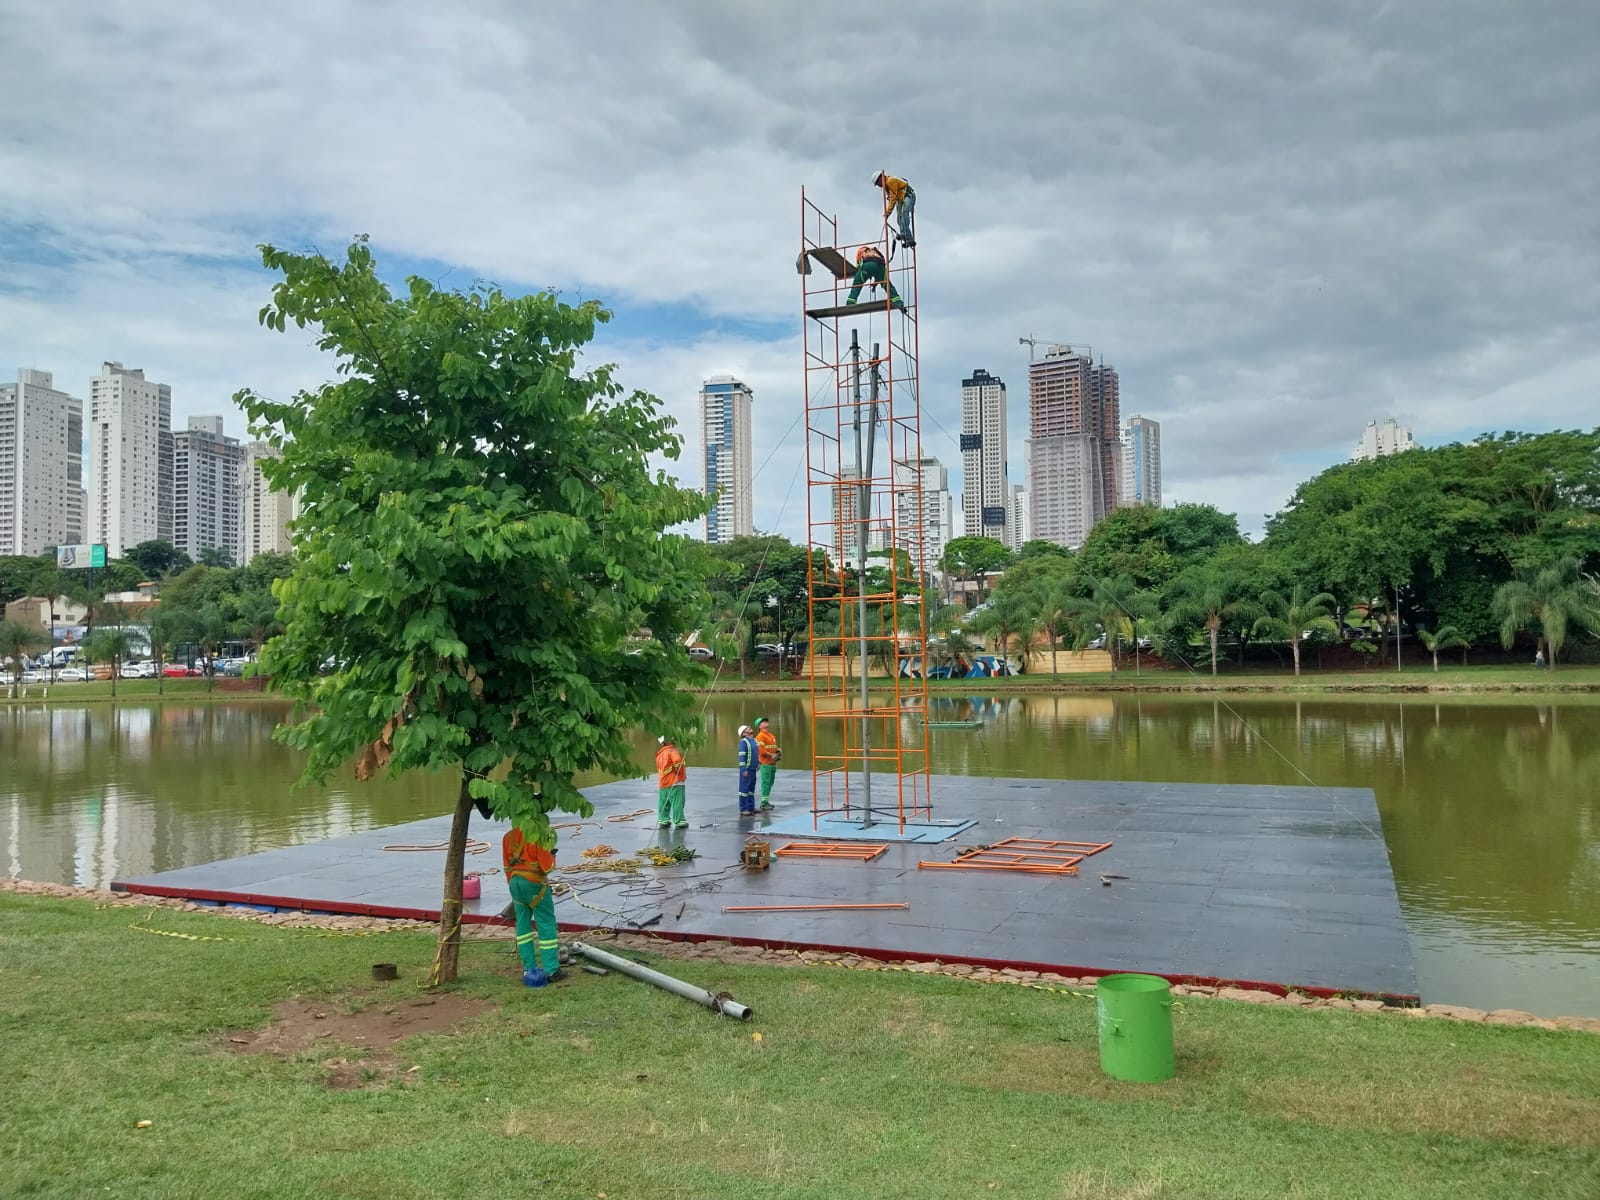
point(866, 531)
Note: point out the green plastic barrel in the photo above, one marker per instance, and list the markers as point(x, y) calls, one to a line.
point(1135, 1016)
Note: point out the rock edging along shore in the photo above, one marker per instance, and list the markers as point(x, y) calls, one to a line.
point(748, 955)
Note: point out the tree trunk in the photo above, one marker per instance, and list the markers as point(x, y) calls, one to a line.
point(1055, 675)
point(1294, 644)
point(1213, 632)
point(1435, 662)
point(455, 859)
point(161, 675)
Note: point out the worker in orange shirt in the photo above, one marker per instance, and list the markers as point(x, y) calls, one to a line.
point(900, 197)
point(528, 866)
point(871, 268)
point(770, 755)
point(674, 777)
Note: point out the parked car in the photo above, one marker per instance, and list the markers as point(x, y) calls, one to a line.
point(701, 653)
point(138, 670)
point(72, 675)
point(35, 676)
point(177, 671)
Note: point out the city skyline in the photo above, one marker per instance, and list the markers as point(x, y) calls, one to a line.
point(126, 476)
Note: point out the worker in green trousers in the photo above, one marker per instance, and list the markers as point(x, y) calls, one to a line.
point(871, 268)
point(527, 867)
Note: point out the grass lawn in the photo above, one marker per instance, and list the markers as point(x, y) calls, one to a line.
point(861, 1085)
point(189, 691)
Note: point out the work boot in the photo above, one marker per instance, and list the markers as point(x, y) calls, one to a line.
point(897, 303)
point(849, 303)
point(683, 824)
point(557, 976)
point(535, 978)
point(665, 825)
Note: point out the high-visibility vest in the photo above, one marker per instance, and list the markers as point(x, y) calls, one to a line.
point(670, 766)
point(768, 747)
point(867, 252)
point(528, 859)
point(748, 750)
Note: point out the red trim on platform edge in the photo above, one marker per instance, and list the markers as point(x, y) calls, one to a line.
point(351, 909)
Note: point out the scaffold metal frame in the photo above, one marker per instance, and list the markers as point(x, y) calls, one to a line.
point(864, 443)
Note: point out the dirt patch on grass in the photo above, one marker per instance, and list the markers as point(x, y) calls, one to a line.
point(373, 1032)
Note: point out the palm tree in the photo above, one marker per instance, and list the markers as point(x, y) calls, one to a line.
point(1112, 606)
point(110, 644)
point(1440, 639)
point(168, 627)
point(17, 639)
point(211, 629)
point(1009, 617)
point(1289, 618)
point(1210, 596)
point(1554, 597)
point(1056, 600)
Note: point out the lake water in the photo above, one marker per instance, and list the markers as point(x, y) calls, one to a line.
point(1491, 808)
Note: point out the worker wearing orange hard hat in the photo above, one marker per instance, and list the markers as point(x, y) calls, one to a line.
point(871, 268)
point(900, 198)
point(528, 866)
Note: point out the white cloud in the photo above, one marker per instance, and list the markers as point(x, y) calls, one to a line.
point(1278, 223)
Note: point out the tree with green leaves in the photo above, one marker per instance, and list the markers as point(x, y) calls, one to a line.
point(216, 556)
point(1551, 597)
point(1057, 601)
point(1442, 638)
point(1290, 618)
point(1010, 621)
point(210, 628)
point(1111, 609)
point(974, 558)
point(481, 535)
point(109, 644)
point(18, 639)
point(1210, 597)
point(166, 628)
point(158, 558)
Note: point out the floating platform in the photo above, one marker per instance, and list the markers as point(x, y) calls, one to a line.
point(1283, 887)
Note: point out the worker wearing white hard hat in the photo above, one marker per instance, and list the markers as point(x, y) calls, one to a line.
point(901, 198)
point(749, 767)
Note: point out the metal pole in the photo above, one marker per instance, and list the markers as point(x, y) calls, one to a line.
point(1397, 627)
point(723, 1004)
point(863, 503)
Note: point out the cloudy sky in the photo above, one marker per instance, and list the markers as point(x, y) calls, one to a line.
point(1278, 221)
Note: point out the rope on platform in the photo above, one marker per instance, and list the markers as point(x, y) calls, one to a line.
point(638, 812)
point(474, 846)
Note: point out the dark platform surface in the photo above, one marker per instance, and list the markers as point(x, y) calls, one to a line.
point(1280, 885)
point(866, 307)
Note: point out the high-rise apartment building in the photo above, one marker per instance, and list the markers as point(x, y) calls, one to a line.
point(1074, 445)
point(267, 513)
point(1021, 517)
point(130, 459)
point(1141, 463)
point(41, 465)
point(729, 470)
point(985, 490)
point(1382, 440)
point(846, 519)
point(924, 513)
point(206, 478)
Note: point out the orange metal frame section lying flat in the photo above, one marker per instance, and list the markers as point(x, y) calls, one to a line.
point(856, 851)
point(1033, 855)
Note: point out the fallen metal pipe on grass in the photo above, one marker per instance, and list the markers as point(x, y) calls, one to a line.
point(717, 1002)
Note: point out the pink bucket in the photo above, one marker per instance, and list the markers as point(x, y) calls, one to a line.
point(471, 887)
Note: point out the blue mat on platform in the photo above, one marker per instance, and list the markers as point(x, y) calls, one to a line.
point(839, 827)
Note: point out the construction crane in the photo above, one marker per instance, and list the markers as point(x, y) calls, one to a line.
point(1034, 343)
